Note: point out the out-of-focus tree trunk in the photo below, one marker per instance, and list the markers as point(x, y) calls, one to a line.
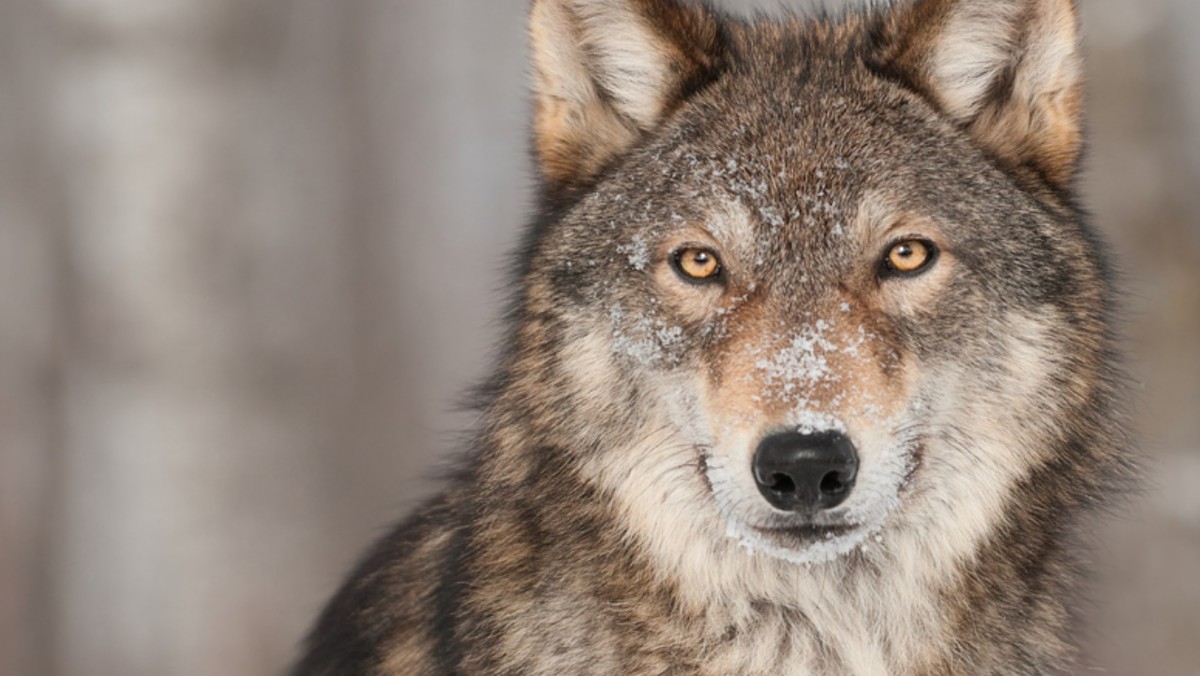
point(32, 344)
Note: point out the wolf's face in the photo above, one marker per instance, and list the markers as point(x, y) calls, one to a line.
point(817, 278)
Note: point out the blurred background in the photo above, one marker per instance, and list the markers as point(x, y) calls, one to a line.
point(251, 253)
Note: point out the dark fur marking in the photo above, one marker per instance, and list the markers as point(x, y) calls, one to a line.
point(448, 648)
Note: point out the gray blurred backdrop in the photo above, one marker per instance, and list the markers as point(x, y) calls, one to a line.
point(251, 252)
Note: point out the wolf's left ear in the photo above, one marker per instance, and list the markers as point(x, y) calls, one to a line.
point(608, 71)
point(1008, 71)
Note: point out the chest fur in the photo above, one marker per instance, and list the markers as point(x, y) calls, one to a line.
point(782, 641)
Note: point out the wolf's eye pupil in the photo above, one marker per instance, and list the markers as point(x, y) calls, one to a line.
point(909, 256)
point(697, 264)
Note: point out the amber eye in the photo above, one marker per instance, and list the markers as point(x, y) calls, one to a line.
point(910, 257)
point(697, 264)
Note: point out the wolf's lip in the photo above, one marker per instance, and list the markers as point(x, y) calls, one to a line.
point(806, 533)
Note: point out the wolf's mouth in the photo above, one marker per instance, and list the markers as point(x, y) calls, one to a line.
point(804, 534)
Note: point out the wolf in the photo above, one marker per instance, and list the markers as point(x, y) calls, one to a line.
point(812, 364)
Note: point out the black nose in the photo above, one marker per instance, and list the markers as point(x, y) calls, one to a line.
point(799, 472)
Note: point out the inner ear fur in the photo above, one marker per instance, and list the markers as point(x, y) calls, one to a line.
point(606, 72)
point(1007, 71)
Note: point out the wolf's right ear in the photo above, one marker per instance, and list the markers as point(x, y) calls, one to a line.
point(606, 72)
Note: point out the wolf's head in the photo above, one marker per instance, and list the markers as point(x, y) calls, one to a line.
point(814, 290)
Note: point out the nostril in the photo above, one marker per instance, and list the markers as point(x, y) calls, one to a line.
point(782, 483)
point(833, 484)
